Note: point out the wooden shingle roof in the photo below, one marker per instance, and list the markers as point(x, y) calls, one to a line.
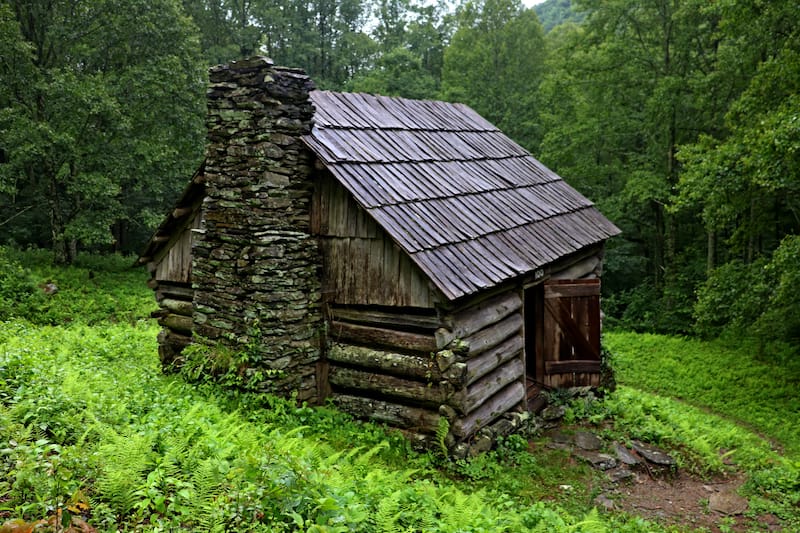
point(470, 206)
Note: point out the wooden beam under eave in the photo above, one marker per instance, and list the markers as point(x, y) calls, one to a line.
point(180, 212)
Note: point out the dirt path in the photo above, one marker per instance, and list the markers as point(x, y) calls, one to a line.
point(668, 496)
point(686, 501)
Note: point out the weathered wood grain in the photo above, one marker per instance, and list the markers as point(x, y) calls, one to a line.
point(395, 414)
point(393, 319)
point(469, 205)
point(423, 368)
point(473, 319)
point(479, 366)
point(494, 334)
point(573, 366)
point(178, 307)
point(505, 400)
point(578, 270)
point(181, 324)
point(178, 292)
point(417, 392)
point(490, 384)
point(367, 335)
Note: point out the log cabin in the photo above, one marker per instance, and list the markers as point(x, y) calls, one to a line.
point(404, 260)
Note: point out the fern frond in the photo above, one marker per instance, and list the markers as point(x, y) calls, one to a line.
point(208, 481)
point(387, 515)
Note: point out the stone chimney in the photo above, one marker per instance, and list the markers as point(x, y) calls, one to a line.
point(255, 265)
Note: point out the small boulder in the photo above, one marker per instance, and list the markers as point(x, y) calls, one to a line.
point(600, 461)
point(587, 441)
point(728, 503)
point(604, 502)
point(553, 412)
point(624, 455)
point(619, 474)
point(653, 454)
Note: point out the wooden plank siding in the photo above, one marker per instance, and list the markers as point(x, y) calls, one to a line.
point(361, 263)
point(571, 348)
point(175, 265)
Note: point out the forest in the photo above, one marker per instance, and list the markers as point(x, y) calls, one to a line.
point(678, 118)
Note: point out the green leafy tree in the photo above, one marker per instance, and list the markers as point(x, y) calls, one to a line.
point(624, 91)
point(102, 121)
point(397, 73)
point(555, 12)
point(744, 178)
point(494, 63)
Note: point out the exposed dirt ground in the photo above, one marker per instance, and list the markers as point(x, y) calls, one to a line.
point(690, 502)
point(677, 498)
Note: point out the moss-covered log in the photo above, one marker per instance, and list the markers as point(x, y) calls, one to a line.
point(402, 416)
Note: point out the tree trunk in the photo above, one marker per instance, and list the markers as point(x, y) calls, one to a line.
point(711, 257)
point(61, 251)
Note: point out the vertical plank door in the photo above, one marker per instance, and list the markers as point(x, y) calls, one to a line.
point(571, 330)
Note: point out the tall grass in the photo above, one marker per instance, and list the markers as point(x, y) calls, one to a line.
point(718, 405)
point(95, 290)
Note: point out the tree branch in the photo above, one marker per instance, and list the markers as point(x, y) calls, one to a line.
point(6, 221)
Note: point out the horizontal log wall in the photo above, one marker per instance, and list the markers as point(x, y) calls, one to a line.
point(409, 368)
point(489, 337)
point(384, 364)
point(175, 317)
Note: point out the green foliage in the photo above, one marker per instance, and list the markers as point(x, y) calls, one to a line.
point(709, 444)
point(397, 73)
point(101, 123)
point(494, 63)
point(555, 12)
point(764, 396)
point(95, 289)
point(722, 304)
point(757, 299)
point(85, 407)
point(19, 295)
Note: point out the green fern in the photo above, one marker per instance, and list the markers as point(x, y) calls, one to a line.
point(442, 430)
point(126, 459)
point(208, 480)
point(387, 516)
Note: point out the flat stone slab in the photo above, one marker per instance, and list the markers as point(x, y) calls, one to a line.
point(554, 445)
point(587, 441)
point(600, 461)
point(728, 503)
point(560, 437)
point(624, 455)
point(653, 454)
point(619, 474)
point(553, 412)
point(605, 502)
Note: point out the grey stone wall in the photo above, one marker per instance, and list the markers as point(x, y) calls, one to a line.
point(255, 265)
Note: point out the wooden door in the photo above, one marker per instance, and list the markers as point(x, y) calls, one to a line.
point(570, 344)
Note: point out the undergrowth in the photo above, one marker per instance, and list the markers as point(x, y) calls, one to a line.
point(90, 427)
point(739, 380)
point(94, 290)
point(718, 408)
point(86, 409)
